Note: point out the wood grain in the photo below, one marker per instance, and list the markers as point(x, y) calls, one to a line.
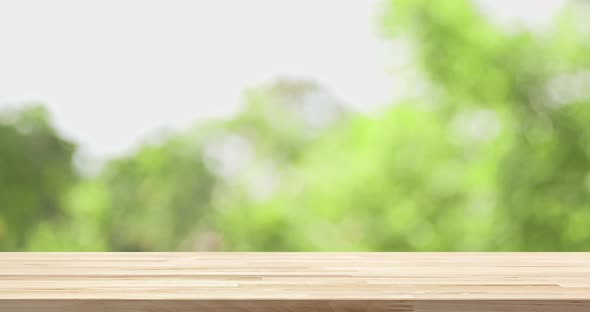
point(183, 282)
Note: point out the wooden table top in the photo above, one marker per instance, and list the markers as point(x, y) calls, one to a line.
point(304, 277)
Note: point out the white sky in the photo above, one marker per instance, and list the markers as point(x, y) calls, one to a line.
point(113, 71)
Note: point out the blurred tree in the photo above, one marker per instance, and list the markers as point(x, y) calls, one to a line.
point(35, 170)
point(158, 196)
point(493, 154)
point(281, 123)
point(167, 195)
point(403, 181)
point(544, 199)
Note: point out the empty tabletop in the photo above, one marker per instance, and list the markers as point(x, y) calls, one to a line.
point(294, 282)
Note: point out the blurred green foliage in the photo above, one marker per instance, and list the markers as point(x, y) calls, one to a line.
point(35, 170)
point(493, 154)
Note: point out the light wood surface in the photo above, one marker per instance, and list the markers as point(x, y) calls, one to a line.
point(294, 282)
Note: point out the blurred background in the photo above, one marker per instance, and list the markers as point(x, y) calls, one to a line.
point(360, 125)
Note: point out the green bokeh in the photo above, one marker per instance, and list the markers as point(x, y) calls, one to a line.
point(492, 153)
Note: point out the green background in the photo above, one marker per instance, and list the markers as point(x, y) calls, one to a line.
point(489, 150)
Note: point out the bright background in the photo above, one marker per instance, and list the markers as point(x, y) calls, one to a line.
point(148, 65)
point(294, 125)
